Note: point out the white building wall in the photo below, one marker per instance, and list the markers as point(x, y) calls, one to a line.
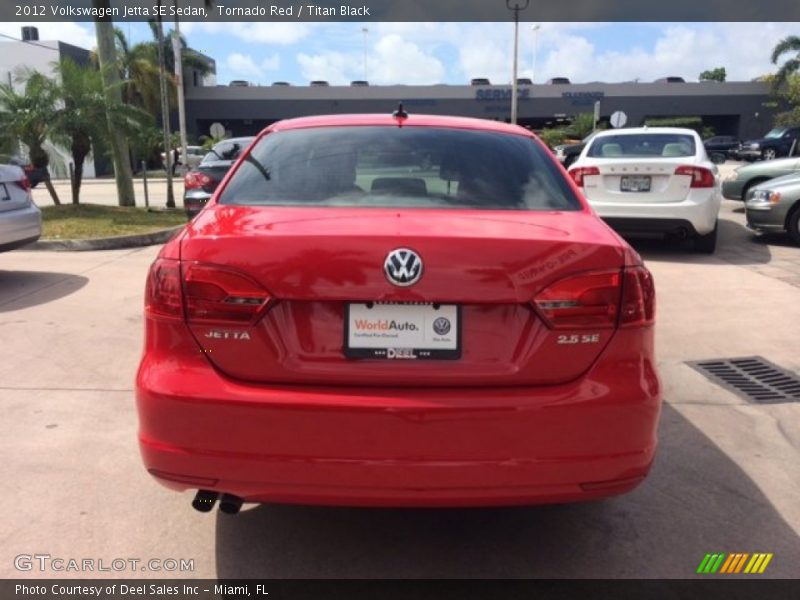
point(15, 58)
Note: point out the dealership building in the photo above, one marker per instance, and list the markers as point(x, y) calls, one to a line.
point(741, 109)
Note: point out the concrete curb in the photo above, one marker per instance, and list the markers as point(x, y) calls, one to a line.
point(110, 243)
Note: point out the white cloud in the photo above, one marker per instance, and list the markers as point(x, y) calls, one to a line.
point(391, 60)
point(401, 61)
point(244, 66)
point(77, 34)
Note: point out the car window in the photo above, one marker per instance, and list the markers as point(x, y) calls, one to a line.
point(775, 133)
point(399, 167)
point(227, 150)
point(642, 145)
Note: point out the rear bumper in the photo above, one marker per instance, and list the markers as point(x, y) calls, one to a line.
point(586, 439)
point(20, 227)
point(697, 214)
point(195, 200)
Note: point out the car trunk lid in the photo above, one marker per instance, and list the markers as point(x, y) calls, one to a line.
point(315, 262)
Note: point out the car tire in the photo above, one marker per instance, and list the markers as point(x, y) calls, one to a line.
point(707, 244)
point(793, 225)
point(768, 154)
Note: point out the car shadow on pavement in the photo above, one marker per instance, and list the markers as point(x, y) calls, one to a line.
point(696, 500)
point(23, 289)
point(735, 245)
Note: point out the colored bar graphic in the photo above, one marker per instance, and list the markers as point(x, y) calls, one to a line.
point(736, 562)
point(765, 563)
point(703, 563)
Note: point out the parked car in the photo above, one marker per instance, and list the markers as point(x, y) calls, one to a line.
point(35, 175)
point(331, 329)
point(195, 154)
point(724, 144)
point(781, 141)
point(743, 179)
point(569, 153)
point(20, 218)
point(201, 182)
point(775, 206)
point(652, 180)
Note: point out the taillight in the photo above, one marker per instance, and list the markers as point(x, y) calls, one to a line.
point(24, 183)
point(195, 180)
point(638, 298)
point(215, 293)
point(599, 299)
point(206, 292)
point(162, 296)
point(585, 300)
point(578, 174)
point(701, 178)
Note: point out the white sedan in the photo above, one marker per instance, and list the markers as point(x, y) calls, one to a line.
point(20, 219)
point(652, 180)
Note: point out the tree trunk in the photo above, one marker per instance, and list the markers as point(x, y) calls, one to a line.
point(49, 185)
point(81, 147)
point(106, 53)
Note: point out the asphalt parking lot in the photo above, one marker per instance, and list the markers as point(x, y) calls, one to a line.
point(727, 477)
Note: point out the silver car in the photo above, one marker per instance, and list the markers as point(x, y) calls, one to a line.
point(20, 218)
point(775, 206)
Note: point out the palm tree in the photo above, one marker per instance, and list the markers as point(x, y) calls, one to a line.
point(81, 118)
point(792, 65)
point(28, 116)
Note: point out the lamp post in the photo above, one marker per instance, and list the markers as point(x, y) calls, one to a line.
point(365, 31)
point(516, 7)
point(535, 30)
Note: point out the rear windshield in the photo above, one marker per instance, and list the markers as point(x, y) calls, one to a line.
point(399, 167)
point(642, 145)
point(227, 150)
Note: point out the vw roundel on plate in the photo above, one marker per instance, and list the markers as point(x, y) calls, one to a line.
point(398, 310)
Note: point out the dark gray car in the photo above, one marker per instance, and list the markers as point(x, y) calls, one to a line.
point(201, 182)
point(775, 206)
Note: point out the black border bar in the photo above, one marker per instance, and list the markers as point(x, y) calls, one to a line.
point(33, 11)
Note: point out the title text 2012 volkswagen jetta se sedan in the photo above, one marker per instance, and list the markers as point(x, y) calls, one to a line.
point(396, 310)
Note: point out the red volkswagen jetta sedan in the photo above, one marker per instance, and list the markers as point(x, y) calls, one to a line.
point(398, 310)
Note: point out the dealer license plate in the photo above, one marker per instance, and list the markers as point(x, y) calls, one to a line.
point(399, 331)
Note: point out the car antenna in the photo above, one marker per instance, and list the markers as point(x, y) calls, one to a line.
point(400, 114)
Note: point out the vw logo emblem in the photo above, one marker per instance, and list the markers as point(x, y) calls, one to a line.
point(402, 267)
point(441, 326)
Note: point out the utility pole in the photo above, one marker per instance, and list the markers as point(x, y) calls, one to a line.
point(162, 76)
point(365, 31)
point(107, 56)
point(516, 7)
point(177, 51)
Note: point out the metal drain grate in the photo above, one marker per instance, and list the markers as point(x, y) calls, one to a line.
point(753, 378)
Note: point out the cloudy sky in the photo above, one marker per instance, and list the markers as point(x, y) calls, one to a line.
point(427, 53)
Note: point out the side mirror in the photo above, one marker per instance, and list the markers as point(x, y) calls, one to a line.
point(717, 158)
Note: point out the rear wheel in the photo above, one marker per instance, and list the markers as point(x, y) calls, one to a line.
point(793, 225)
point(768, 153)
point(707, 243)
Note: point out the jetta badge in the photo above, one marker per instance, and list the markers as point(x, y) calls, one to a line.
point(403, 267)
